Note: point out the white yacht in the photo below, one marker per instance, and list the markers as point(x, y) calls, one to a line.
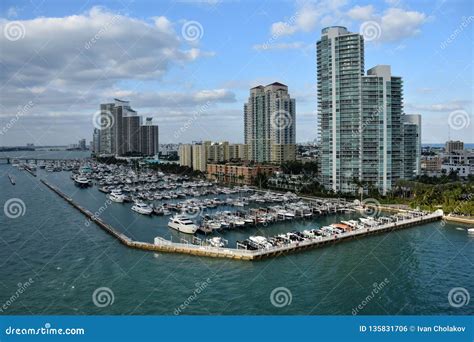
point(116, 196)
point(182, 224)
point(81, 181)
point(217, 241)
point(142, 208)
point(260, 241)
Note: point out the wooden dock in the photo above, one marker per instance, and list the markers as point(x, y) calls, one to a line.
point(166, 246)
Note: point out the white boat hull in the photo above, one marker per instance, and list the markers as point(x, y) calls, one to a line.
point(188, 229)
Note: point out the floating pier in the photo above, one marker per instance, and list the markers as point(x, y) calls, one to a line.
point(163, 245)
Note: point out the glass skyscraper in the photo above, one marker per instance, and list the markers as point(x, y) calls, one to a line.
point(360, 117)
point(269, 124)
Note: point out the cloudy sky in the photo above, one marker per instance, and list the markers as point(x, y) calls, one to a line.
point(190, 64)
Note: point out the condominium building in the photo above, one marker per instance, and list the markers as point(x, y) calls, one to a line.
point(269, 124)
point(185, 153)
point(453, 146)
point(238, 152)
point(107, 129)
point(218, 151)
point(199, 156)
point(149, 138)
point(96, 141)
point(360, 116)
point(121, 131)
point(412, 145)
point(237, 173)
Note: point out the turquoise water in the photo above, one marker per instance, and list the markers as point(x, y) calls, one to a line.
point(68, 260)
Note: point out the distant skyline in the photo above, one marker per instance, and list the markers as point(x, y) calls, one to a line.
point(190, 64)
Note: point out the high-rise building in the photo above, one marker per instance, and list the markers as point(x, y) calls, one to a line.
point(96, 141)
point(185, 153)
point(412, 145)
point(269, 124)
point(453, 146)
point(121, 131)
point(149, 136)
point(238, 152)
point(82, 144)
point(107, 130)
point(381, 132)
point(199, 156)
point(360, 116)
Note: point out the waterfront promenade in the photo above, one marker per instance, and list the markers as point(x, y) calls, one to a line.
point(162, 245)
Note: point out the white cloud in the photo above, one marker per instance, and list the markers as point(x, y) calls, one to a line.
point(280, 46)
point(361, 12)
point(397, 24)
point(441, 107)
point(97, 48)
point(307, 16)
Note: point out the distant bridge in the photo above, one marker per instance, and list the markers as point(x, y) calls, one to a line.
point(8, 160)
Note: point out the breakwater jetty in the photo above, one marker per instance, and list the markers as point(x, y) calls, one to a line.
point(166, 246)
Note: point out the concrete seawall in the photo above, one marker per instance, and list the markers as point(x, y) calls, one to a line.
point(167, 246)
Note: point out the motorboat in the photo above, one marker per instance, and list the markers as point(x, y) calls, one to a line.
point(142, 208)
point(81, 181)
point(182, 224)
point(260, 241)
point(116, 196)
point(217, 241)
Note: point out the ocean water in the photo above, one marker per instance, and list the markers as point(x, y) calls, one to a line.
point(64, 266)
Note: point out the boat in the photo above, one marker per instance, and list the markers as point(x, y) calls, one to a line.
point(217, 241)
point(142, 208)
point(81, 181)
point(116, 196)
point(182, 224)
point(470, 231)
point(260, 241)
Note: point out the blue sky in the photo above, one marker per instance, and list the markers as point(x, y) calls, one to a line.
point(68, 56)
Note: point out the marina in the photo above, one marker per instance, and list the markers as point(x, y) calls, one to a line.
point(261, 247)
point(76, 254)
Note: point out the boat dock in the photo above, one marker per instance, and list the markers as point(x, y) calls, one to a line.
point(166, 246)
